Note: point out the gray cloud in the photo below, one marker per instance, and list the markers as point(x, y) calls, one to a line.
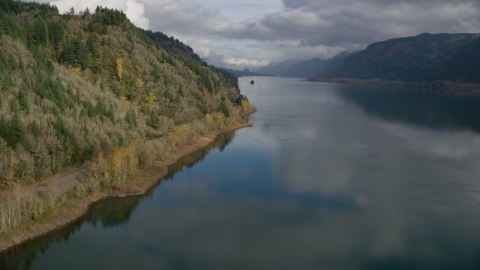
point(321, 4)
point(348, 23)
point(303, 28)
point(133, 9)
point(327, 26)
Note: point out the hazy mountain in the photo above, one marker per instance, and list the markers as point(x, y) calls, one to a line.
point(308, 68)
point(336, 62)
point(403, 58)
point(278, 68)
point(245, 72)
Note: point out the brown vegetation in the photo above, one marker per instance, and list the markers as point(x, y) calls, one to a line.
point(72, 205)
point(91, 88)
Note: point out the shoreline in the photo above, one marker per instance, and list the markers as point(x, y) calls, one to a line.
point(72, 210)
point(453, 87)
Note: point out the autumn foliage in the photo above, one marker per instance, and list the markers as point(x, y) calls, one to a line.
point(77, 89)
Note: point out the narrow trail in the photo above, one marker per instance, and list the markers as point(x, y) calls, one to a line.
point(60, 183)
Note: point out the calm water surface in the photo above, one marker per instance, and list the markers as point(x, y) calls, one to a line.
point(331, 176)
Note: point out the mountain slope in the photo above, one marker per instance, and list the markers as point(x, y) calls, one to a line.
point(75, 87)
point(336, 62)
point(278, 68)
point(462, 65)
point(392, 58)
point(242, 73)
point(312, 67)
point(307, 68)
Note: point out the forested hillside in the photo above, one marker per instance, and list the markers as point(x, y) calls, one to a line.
point(426, 57)
point(82, 84)
point(461, 65)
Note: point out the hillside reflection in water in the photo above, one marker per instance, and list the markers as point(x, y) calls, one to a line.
point(330, 176)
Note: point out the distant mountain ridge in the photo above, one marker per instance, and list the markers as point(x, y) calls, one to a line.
point(306, 68)
point(278, 68)
point(245, 72)
point(418, 58)
point(336, 62)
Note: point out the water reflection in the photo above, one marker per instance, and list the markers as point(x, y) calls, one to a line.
point(109, 212)
point(408, 160)
point(439, 109)
point(323, 180)
point(220, 143)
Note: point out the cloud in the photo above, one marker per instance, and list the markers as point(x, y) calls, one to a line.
point(133, 9)
point(349, 23)
point(246, 62)
point(299, 29)
point(219, 60)
point(184, 17)
point(324, 27)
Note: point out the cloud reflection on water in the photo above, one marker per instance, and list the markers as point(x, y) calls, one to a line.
point(344, 185)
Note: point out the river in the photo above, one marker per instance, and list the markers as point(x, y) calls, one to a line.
point(330, 176)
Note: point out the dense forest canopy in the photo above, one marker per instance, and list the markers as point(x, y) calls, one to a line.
point(78, 84)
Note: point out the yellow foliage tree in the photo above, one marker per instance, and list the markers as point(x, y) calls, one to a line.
point(120, 68)
point(219, 118)
point(117, 157)
point(69, 159)
point(131, 158)
point(190, 72)
point(178, 134)
point(150, 99)
point(74, 70)
point(228, 122)
point(139, 83)
point(209, 118)
point(98, 83)
point(121, 104)
point(244, 105)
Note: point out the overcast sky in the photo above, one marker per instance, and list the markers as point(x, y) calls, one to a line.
point(253, 33)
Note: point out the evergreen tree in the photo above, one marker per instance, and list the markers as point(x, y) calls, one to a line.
point(4, 6)
point(38, 34)
point(223, 108)
point(56, 34)
point(4, 127)
point(12, 62)
point(13, 105)
point(17, 131)
point(86, 13)
point(92, 39)
point(35, 129)
point(131, 120)
point(23, 100)
point(75, 54)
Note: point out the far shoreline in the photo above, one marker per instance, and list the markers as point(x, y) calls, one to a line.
point(72, 210)
point(449, 86)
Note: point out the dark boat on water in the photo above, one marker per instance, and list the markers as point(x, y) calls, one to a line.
point(252, 82)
